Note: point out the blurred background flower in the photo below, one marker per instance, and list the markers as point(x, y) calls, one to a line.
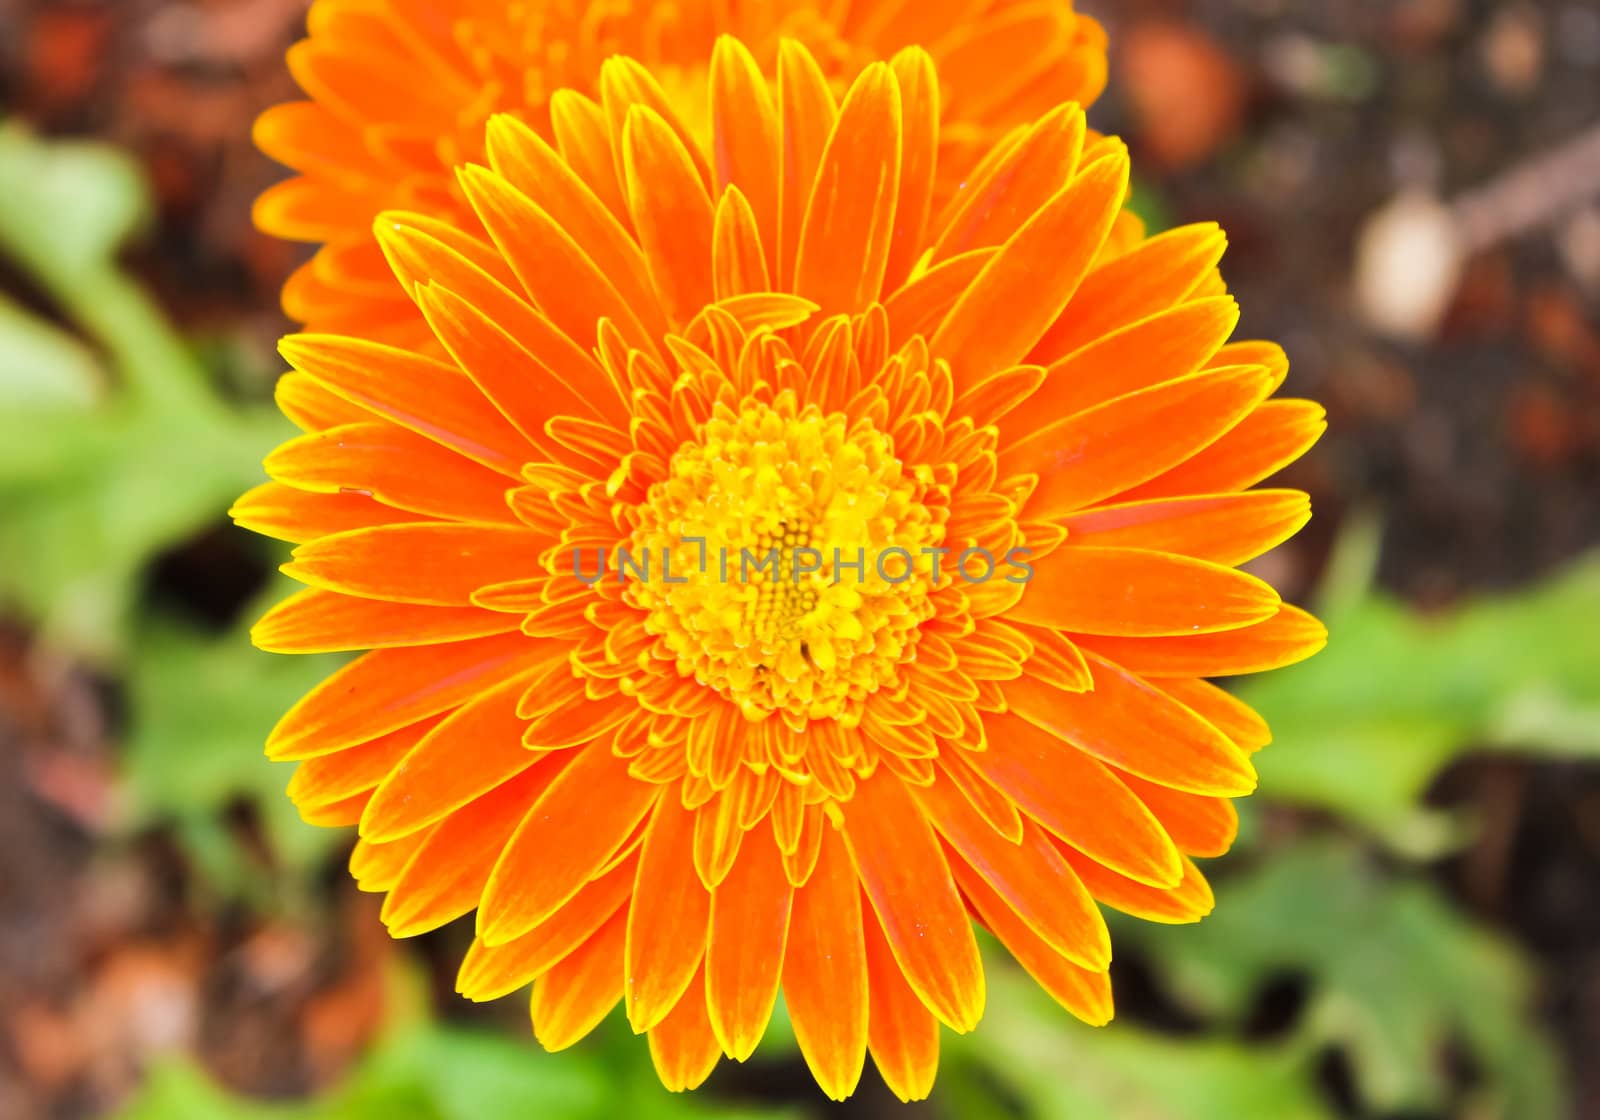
point(1409, 924)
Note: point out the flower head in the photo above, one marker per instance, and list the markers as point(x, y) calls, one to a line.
point(777, 572)
point(399, 91)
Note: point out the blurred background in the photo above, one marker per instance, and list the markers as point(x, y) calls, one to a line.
point(1410, 925)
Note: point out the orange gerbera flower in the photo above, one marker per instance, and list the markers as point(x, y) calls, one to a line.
point(668, 680)
point(400, 91)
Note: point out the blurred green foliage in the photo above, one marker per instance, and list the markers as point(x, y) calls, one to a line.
point(115, 445)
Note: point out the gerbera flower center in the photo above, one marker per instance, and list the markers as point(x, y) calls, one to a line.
point(793, 560)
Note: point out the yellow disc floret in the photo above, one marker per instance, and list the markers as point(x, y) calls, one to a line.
point(791, 564)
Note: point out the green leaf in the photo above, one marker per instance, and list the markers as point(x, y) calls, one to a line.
point(90, 494)
point(1366, 726)
point(201, 708)
point(68, 205)
point(442, 1073)
point(1394, 974)
point(1063, 1070)
point(42, 368)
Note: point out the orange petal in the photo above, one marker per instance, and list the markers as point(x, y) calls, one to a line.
point(286, 514)
point(744, 954)
point(572, 998)
point(477, 747)
point(314, 621)
point(573, 831)
point(1200, 826)
point(1076, 798)
point(311, 407)
point(738, 263)
point(445, 878)
point(902, 1035)
point(526, 376)
point(671, 213)
point(358, 769)
point(375, 867)
point(1029, 875)
point(1017, 186)
point(1224, 711)
point(1225, 529)
point(397, 467)
point(1126, 591)
point(1134, 726)
point(1289, 636)
point(806, 113)
point(669, 919)
point(563, 282)
point(424, 260)
point(1166, 346)
point(533, 167)
point(388, 689)
point(430, 564)
point(744, 124)
point(418, 393)
point(849, 222)
point(1263, 443)
point(904, 874)
point(1085, 993)
point(1188, 901)
point(1028, 283)
point(682, 1045)
point(825, 971)
point(489, 973)
point(1157, 275)
point(919, 127)
point(1090, 456)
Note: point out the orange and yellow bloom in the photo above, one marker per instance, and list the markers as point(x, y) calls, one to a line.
point(764, 330)
point(399, 90)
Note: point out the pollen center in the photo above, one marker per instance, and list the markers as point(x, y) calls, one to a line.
point(792, 563)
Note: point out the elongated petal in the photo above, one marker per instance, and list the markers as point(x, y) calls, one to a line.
point(669, 919)
point(430, 564)
point(475, 749)
point(1200, 826)
point(1157, 275)
point(1225, 529)
point(744, 956)
point(746, 131)
point(1077, 799)
point(489, 973)
point(825, 971)
point(1029, 875)
point(1090, 456)
point(1187, 901)
point(1135, 593)
point(1266, 441)
point(682, 1045)
point(396, 467)
point(572, 832)
point(445, 878)
point(1084, 992)
point(671, 213)
point(902, 1034)
point(315, 621)
point(849, 223)
point(387, 689)
point(1289, 636)
point(904, 874)
point(1024, 288)
point(418, 393)
point(572, 998)
point(287, 514)
point(1136, 727)
point(1168, 345)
